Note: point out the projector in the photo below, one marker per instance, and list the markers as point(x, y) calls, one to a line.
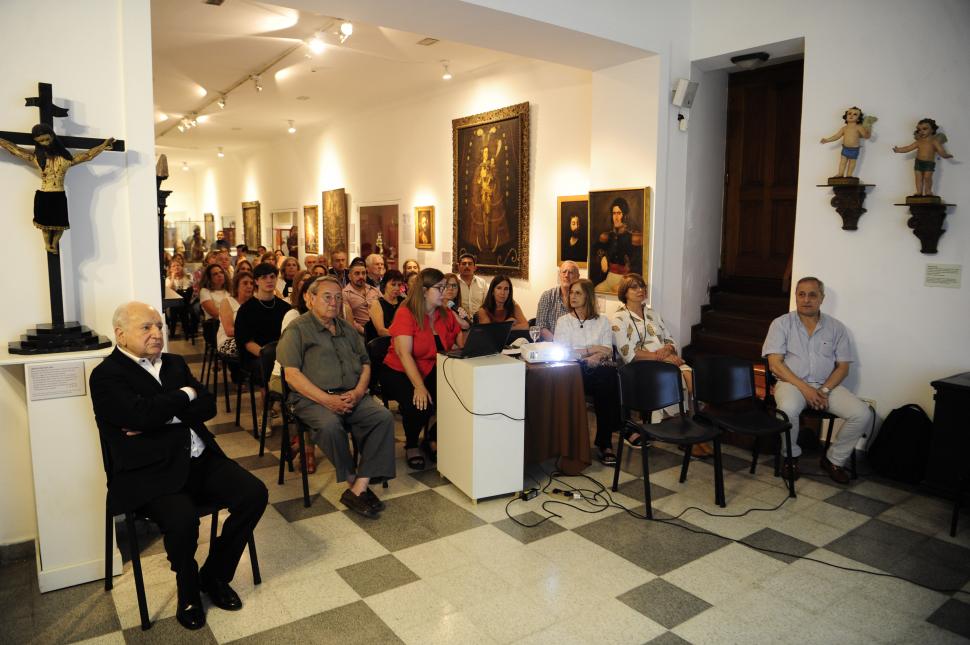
point(545, 353)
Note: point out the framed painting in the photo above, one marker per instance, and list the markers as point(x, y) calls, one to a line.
point(491, 190)
point(251, 226)
point(619, 236)
point(573, 229)
point(424, 227)
point(285, 232)
point(210, 228)
point(311, 230)
point(379, 233)
point(335, 225)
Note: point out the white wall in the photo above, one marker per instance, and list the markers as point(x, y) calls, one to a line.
point(109, 253)
point(900, 61)
point(402, 153)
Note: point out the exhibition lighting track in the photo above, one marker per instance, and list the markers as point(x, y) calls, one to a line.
point(246, 78)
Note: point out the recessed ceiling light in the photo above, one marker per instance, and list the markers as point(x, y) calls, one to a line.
point(292, 128)
point(316, 44)
point(185, 166)
point(220, 154)
point(202, 91)
point(163, 117)
point(427, 42)
point(202, 118)
point(303, 98)
point(347, 29)
point(447, 75)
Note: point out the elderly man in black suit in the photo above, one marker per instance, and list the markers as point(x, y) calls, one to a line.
point(151, 414)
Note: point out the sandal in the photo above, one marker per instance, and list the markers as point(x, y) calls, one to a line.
point(636, 442)
point(607, 458)
point(416, 462)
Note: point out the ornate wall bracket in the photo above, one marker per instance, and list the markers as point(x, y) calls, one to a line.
point(926, 220)
point(849, 195)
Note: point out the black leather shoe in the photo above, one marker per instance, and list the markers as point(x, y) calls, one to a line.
point(837, 473)
point(220, 593)
point(358, 503)
point(191, 615)
point(373, 500)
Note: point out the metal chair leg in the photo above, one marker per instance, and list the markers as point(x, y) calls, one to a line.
point(619, 456)
point(791, 460)
point(257, 579)
point(252, 407)
point(755, 450)
point(108, 543)
point(683, 466)
point(225, 384)
point(303, 473)
point(136, 567)
point(648, 500)
point(262, 429)
point(213, 531)
point(718, 475)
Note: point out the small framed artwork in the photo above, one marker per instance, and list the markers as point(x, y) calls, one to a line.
point(251, 225)
point(424, 227)
point(311, 233)
point(573, 229)
point(336, 227)
point(619, 234)
point(210, 228)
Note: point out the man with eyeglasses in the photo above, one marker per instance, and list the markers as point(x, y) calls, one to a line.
point(327, 369)
point(472, 287)
point(554, 302)
point(359, 294)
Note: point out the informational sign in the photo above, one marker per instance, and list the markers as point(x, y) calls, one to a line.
point(943, 275)
point(56, 380)
point(406, 228)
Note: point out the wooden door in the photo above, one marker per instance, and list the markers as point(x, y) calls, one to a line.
point(764, 118)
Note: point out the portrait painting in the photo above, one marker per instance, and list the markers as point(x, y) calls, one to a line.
point(335, 225)
point(491, 190)
point(619, 236)
point(311, 233)
point(424, 227)
point(573, 229)
point(378, 232)
point(251, 226)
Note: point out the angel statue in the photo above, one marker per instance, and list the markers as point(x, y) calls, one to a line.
point(927, 145)
point(856, 127)
point(53, 160)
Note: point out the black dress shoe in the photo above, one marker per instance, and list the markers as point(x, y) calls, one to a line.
point(358, 503)
point(373, 500)
point(191, 615)
point(220, 593)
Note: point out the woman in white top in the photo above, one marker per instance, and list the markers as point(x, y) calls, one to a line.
point(588, 333)
point(285, 283)
point(242, 290)
point(212, 290)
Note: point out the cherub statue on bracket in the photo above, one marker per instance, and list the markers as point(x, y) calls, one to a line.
point(857, 127)
point(927, 145)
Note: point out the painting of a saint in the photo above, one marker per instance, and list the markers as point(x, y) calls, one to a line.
point(491, 166)
point(424, 227)
point(335, 225)
point(311, 239)
point(618, 236)
point(573, 230)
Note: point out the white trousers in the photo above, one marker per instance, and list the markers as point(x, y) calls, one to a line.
point(842, 403)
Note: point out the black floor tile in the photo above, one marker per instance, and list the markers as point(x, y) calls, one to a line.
point(858, 503)
point(668, 638)
point(954, 616)
point(663, 602)
point(536, 530)
point(166, 631)
point(775, 541)
point(634, 489)
point(64, 616)
point(293, 510)
point(378, 575)
point(255, 462)
point(351, 624)
point(430, 477)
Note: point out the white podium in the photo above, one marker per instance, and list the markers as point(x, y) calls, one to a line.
point(481, 455)
point(68, 472)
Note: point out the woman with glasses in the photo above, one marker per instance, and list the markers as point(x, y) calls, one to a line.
point(499, 305)
point(382, 310)
point(451, 298)
point(422, 327)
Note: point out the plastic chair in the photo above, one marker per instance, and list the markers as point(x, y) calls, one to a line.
point(646, 386)
point(723, 380)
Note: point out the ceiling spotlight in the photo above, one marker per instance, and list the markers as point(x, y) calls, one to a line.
point(222, 102)
point(185, 166)
point(203, 118)
point(163, 117)
point(256, 82)
point(316, 44)
point(346, 30)
point(202, 91)
point(750, 61)
point(292, 128)
point(181, 127)
point(220, 154)
point(447, 75)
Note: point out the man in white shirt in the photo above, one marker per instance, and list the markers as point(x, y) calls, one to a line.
point(472, 287)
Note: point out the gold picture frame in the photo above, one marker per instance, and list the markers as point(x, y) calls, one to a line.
point(251, 225)
point(616, 251)
point(311, 229)
point(424, 227)
point(335, 222)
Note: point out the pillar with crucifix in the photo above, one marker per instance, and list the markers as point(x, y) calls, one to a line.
point(51, 156)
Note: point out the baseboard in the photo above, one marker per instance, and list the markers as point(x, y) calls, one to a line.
point(17, 551)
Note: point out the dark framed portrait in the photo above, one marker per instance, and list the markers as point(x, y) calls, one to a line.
point(573, 229)
point(424, 227)
point(311, 229)
point(251, 226)
point(379, 232)
point(335, 224)
point(619, 236)
point(491, 190)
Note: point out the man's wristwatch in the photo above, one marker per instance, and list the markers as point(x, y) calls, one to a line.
point(824, 390)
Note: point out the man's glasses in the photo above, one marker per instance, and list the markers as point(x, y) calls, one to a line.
point(328, 297)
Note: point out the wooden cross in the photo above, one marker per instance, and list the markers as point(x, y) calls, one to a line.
point(44, 102)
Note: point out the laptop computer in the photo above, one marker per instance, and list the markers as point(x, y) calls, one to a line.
point(484, 340)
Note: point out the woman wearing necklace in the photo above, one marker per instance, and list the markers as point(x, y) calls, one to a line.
point(259, 320)
point(499, 305)
point(639, 334)
point(589, 335)
point(422, 327)
point(382, 310)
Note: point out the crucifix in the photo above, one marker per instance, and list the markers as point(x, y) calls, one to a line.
point(52, 158)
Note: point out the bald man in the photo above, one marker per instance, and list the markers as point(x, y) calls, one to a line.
point(151, 415)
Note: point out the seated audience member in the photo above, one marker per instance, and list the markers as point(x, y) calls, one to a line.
point(280, 256)
point(268, 258)
point(288, 271)
point(211, 257)
point(375, 269)
point(225, 261)
point(451, 299)
point(181, 283)
point(151, 415)
point(410, 268)
point(499, 305)
point(338, 267)
point(639, 334)
point(554, 303)
point(310, 261)
point(323, 261)
point(472, 287)
point(382, 310)
point(259, 320)
point(241, 251)
point(319, 270)
point(261, 250)
point(588, 333)
point(358, 295)
point(212, 290)
point(242, 290)
point(810, 354)
point(422, 327)
point(328, 370)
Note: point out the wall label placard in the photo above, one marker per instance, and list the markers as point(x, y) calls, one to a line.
point(943, 275)
point(56, 380)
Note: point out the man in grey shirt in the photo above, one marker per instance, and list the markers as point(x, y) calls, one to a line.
point(810, 354)
point(327, 368)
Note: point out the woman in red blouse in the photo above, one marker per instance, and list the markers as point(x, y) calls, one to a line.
point(422, 327)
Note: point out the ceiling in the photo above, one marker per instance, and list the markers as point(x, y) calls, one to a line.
point(200, 51)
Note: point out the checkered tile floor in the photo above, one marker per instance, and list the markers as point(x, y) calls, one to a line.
point(436, 568)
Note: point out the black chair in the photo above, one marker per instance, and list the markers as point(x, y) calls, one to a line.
point(646, 386)
point(130, 517)
point(821, 415)
point(244, 374)
point(724, 384)
point(210, 332)
point(288, 416)
point(377, 350)
point(267, 360)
